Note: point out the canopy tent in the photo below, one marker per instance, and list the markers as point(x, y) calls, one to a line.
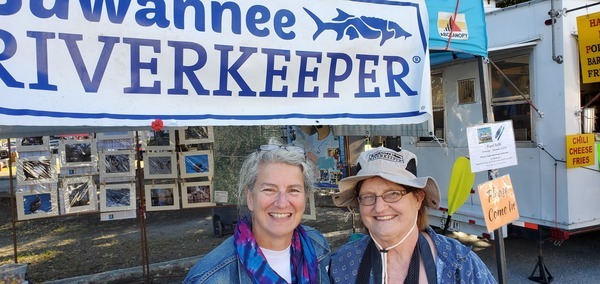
point(41, 93)
point(456, 30)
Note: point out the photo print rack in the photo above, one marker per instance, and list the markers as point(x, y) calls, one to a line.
point(162, 140)
point(118, 135)
point(310, 212)
point(79, 194)
point(124, 140)
point(77, 153)
point(37, 201)
point(36, 143)
point(117, 197)
point(196, 135)
point(197, 194)
point(196, 164)
point(119, 163)
point(36, 170)
point(161, 197)
point(160, 165)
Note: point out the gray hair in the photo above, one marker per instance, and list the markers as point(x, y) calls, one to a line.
point(251, 169)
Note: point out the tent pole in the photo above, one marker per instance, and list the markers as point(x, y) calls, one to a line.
point(488, 116)
point(12, 203)
point(142, 213)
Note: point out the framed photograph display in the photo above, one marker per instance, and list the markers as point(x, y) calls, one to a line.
point(36, 170)
point(117, 163)
point(159, 140)
point(160, 165)
point(196, 134)
point(117, 197)
point(77, 152)
point(310, 212)
point(38, 203)
point(161, 197)
point(79, 194)
point(196, 164)
point(115, 135)
point(75, 136)
point(196, 194)
point(36, 143)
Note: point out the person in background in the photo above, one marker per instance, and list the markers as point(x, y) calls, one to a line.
point(400, 247)
point(501, 91)
point(269, 245)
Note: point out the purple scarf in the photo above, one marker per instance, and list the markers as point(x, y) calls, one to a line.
point(303, 257)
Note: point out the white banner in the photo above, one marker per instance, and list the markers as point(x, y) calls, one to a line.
point(126, 63)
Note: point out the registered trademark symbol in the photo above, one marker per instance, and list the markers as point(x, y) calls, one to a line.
point(416, 59)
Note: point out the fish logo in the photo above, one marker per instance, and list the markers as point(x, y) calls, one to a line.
point(355, 27)
point(499, 132)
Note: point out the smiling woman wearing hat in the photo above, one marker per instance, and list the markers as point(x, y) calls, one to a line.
point(400, 247)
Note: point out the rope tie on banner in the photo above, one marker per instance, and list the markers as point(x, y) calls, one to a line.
point(451, 23)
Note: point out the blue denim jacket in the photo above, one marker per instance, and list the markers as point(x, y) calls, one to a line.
point(222, 266)
point(455, 262)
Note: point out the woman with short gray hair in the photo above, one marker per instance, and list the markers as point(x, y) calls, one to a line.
point(269, 245)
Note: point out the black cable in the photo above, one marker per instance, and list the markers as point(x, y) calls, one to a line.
point(556, 160)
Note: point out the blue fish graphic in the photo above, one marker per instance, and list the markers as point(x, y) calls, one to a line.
point(355, 27)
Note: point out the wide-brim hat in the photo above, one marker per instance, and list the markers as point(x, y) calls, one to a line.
point(399, 167)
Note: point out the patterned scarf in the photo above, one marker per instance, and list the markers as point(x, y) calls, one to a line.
point(303, 256)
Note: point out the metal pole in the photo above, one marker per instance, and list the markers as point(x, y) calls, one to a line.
point(488, 116)
point(142, 213)
point(12, 203)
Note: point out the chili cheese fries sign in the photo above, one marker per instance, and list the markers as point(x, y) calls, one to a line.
point(580, 150)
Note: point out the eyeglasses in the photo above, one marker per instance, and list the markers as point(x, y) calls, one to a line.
point(271, 147)
point(389, 197)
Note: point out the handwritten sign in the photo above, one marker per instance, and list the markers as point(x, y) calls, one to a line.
point(580, 150)
point(491, 146)
point(498, 202)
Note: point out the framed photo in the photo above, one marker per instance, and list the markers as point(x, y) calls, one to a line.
point(160, 165)
point(196, 134)
point(35, 143)
point(310, 212)
point(79, 194)
point(78, 152)
point(196, 194)
point(36, 170)
point(117, 197)
point(196, 164)
point(162, 197)
point(158, 140)
point(38, 203)
point(117, 163)
point(115, 135)
point(76, 136)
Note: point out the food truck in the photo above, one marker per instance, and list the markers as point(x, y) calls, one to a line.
point(535, 48)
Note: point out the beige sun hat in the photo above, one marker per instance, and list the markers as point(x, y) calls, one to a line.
point(398, 167)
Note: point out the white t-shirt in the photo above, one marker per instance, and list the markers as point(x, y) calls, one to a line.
point(280, 262)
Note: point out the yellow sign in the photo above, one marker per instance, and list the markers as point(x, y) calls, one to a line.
point(588, 28)
point(498, 202)
point(580, 150)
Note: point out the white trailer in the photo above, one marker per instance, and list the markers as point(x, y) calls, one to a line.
point(535, 44)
